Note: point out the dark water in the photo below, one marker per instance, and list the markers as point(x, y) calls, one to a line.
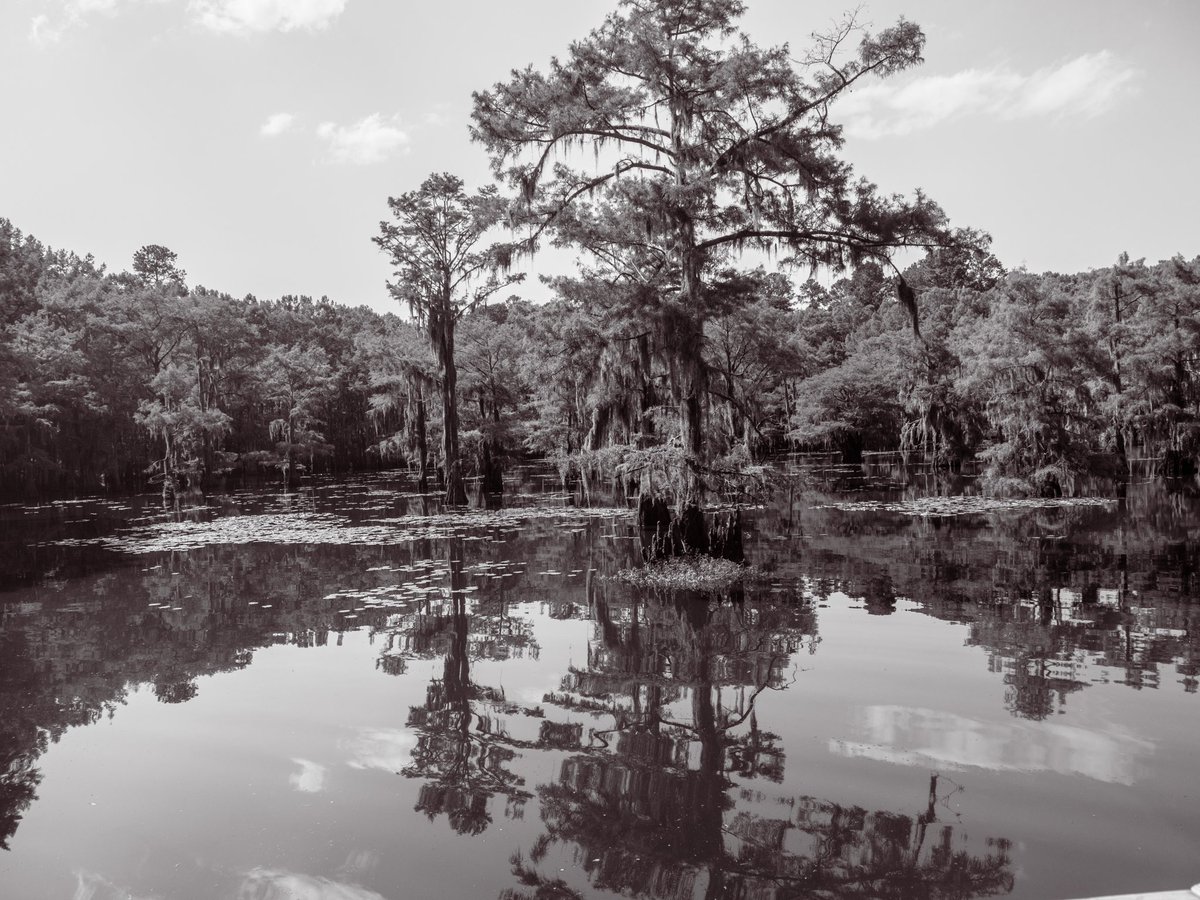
point(342, 695)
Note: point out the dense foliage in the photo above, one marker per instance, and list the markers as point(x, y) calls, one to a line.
point(105, 379)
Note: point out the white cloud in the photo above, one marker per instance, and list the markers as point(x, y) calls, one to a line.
point(369, 140)
point(83, 7)
point(239, 17)
point(276, 124)
point(244, 17)
point(310, 779)
point(1087, 86)
point(43, 32)
point(45, 29)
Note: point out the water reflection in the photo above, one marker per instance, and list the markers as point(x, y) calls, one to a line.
point(660, 801)
point(929, 738)
point(462, 748)
point(669, 756)
point(272, 884)
point(1060, 598)
point(94, 886)
point(311, 777)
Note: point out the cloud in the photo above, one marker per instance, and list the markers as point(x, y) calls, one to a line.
point(237, 17)
point(277, 124)
point(244, 17)
point(83, 7)
point(1089, 85)
point(47, 29)
point(310, 779)
point(1085, 86)
point(370, 140)
point(44, 32)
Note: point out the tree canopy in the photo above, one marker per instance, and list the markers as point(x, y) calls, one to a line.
point(701, 144)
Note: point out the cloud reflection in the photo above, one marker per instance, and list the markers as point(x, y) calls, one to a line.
point(389, 749)
point(92, 886)
point(277, 884)
point(311, 777)
point(911, 736)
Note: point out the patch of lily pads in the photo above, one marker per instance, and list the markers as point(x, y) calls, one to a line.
point(938, 507)
point(325, 528)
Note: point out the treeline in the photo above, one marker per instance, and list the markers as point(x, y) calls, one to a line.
point(1043, 378)
point(113, 380)
point(118, 380)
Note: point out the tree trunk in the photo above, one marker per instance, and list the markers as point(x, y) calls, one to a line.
point(649, 396)
point(422, 445)
point(288, 466)
point(493, 474)
point(456, 493)
point(725, 537)
point(170, 489)
point(489, 468)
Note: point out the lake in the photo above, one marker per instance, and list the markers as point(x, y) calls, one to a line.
point(345, 694)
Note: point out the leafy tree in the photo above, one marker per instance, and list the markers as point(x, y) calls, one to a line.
point(952, 284)
point(1160, 345)
point(1115, 296)
point(442, 272)
point(855, 361)
point(704, 144)
point(22, 261)
point(402, 376)
point(855, 405)
point(178, 417)
point(493, 336)
point(222, 351)
point(1026, 362)
point(752, 350)
point(154, 264)
point(297, 382)
point(559, 360)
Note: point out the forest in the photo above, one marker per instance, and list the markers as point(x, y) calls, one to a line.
point(103, 376)
point(738, 295)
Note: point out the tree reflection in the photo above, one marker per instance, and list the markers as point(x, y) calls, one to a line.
point(1055, 596)
point(660, 803)
point(71, 658)
point(463, 750)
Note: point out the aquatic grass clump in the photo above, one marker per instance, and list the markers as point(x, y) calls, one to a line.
point(687, 573)
point(935, 507)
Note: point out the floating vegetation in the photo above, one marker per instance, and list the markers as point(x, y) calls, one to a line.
point(324, 528)
point(933, 507)
point(687, 573)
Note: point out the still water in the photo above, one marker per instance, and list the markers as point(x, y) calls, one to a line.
point(344, 695)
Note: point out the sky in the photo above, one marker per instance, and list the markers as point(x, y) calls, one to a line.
point(260, 139)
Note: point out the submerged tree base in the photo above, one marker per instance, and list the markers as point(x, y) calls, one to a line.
point(666, 533)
